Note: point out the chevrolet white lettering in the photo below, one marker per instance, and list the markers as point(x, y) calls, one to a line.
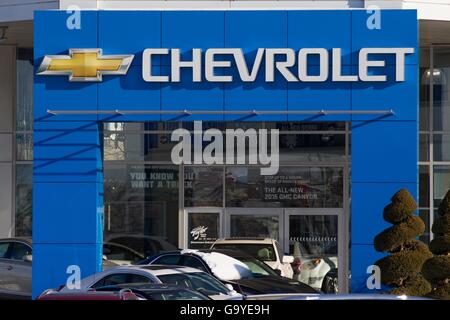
point(285, 61)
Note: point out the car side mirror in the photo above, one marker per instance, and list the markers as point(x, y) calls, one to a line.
point(288, 259)
point(229, 287)
point(232, 291)
point(28, 258)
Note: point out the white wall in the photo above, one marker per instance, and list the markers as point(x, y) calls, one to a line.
point(7, 101)
point(20, 10)
point(427, 9)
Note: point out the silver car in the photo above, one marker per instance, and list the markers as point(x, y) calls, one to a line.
point(15, 267)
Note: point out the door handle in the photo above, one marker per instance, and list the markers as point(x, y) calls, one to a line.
point(9, 268)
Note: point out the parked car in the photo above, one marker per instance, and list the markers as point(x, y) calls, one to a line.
point(15, 268)
point(330, 283)
point(246, 274)
point(151, 291)
point(120, 254)
point(267, 250)
point(123, 294)
point(16, 256)
point(332, 297)
point(317, 270)
point(182, 276)
point(142, 244)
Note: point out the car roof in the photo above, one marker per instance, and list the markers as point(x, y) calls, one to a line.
point(27, 240)
point(155, 269)
point(145, 286)
point(245, 240)
point(234, 253)
point(228, 252)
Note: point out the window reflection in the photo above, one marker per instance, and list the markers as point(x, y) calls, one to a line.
point(441, 147)
point(254, 226)
point(24, 194)
point(203, 186)
point(313, 241)
point(441, 89)
point(306, 187)
point(295, 148)
point(141, 207)
point(441, 181)
point(424, 186)
point(203, 229)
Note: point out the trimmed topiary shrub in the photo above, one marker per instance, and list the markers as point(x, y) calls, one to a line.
point(401, 269)
point(437, 269)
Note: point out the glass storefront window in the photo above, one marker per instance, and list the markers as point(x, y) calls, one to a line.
point(424, 147)
point(25, 74)
point(315, 235)
point(424, 93)
point(203, 229)
point(24, 146)
point(119, 146)
point(295, 148)
point(307, 187)
point(123, 145)
point(24, 176)
point(313, 241)
point(24, 105)
point(441, 178)
point(441, 147)
point(441, 89)
point(424, 187)
point(306, 126)
point(203, 186)
point(254, 226)
point(141, 207)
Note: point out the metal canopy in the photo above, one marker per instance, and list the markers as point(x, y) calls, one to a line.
point(224, 112)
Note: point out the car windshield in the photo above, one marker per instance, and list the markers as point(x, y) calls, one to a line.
point(175, 295)
point(199, 281)
point(263, 252)
point(121, 253)
point(258, 268)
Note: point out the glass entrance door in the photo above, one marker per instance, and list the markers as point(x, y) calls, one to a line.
point(203, 227)
point(315, 238)
point(254, 223)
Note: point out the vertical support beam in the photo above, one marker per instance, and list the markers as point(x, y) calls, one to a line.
point(68, 166)
point(67, 202)
point(384, 160)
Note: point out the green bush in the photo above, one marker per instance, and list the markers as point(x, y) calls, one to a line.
point(440, 245)
point(401, 207)
point(401, 269)
point(437, 269)
point(442, 291)
point(414, 286)
point(394, 236)
point(444, 207)
point(441, 225)
point(399, 266)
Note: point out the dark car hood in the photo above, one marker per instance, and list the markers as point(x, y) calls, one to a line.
point(272, 284)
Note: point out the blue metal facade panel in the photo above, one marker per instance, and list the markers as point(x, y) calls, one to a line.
point(68, 197)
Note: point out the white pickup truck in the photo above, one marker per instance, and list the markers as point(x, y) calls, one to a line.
point(264, 249)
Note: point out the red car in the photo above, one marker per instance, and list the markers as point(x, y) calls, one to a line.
point(124, 294)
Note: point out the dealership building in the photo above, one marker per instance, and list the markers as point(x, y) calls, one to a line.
point(346, 100)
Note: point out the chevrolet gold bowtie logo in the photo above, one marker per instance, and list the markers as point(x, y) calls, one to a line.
point(85, 65)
